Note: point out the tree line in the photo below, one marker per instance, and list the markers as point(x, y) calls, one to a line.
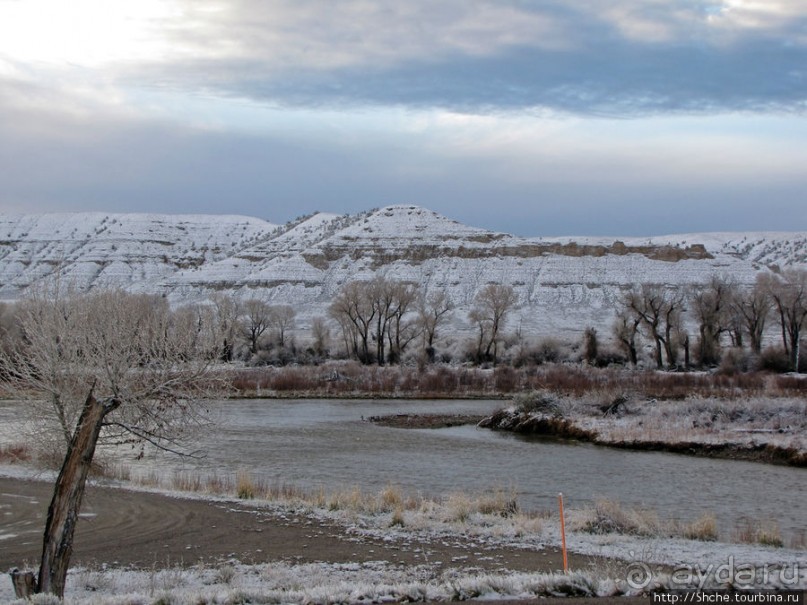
point(723, 313)
point(386, 321)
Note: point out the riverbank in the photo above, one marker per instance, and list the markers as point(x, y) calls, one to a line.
point(148, 547)
point(754, 429)
point(777, 438)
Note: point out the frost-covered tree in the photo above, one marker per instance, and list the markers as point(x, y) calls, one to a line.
point(789, 294)
point(102, 366)
point(256, 317)
point(432, 311)
point(281, 318)
point(378, 312)
point(227, 311)
point(711, 305)
point(354, 309)
point(659, 311)
point(320, 335)
point(753, 307)
point(489, 314)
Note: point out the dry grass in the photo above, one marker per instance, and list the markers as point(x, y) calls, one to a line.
point(611, 517)
point(703, 529)
point(397, 519)
point(458, 507)
point(503, 503)
point(751, 531)
point(244, 486)
point(351, 499)
point(493, 512)
point(391, 498)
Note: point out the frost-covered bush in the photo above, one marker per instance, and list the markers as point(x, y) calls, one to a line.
point(542, 402)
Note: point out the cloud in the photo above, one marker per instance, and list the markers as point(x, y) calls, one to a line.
point(617, 57)
point(502, 113)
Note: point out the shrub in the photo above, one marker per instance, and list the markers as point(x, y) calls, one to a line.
point(12, 454)
point(774, 359)
point(735, 361)
point(505, 379)
point(538, 402)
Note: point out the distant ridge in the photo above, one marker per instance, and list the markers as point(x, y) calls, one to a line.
point(562, 283)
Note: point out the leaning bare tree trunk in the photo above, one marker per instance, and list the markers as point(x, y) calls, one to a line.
point(64, 508)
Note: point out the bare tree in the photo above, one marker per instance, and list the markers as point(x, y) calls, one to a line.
point(590, 346)
point(625, 329)
point(282, 320)
point(489, 313)
point(789, 294)
point(711, 305)
point(106, 364)
point(227, 310)
point(432, 311)
point(321, 335)
point(382, 297)
point(355, 311)
point(659, 310)
point(376, 311)
point(255, 320)
point(753, 308)
point(402, 328)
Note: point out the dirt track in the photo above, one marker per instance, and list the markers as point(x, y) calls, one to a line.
point(124, 528)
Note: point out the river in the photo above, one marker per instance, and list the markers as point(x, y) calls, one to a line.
point(327, 443)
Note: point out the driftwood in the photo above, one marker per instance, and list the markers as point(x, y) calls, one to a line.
point(616, 408)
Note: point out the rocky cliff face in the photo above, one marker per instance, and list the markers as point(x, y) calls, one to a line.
point(562, 283)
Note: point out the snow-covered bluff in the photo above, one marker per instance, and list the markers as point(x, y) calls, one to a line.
point(563, 283)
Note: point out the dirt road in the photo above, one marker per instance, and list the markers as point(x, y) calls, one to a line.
point(125, 528)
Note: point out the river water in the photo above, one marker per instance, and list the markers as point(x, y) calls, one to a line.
point(326, 443)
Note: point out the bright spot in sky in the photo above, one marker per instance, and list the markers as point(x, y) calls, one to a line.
point(86, 33)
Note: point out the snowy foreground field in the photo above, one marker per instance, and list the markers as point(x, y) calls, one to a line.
point(624, 565)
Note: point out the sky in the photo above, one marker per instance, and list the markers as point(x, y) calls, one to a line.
point(533, 117)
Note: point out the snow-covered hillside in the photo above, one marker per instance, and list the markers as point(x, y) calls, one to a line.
point(102, 249)
point(563, 283)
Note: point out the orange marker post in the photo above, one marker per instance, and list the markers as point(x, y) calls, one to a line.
point(563, 535)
